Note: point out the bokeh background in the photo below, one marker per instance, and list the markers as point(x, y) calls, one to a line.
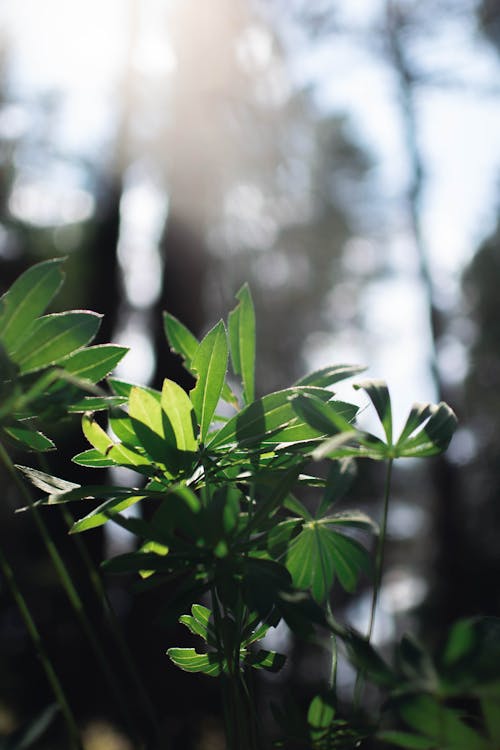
point(342, 156)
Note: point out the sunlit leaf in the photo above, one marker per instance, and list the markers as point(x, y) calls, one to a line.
point(95, 362)
point(190, 661)
point(178, 408)
point(268, 660)
point(241, 327)
point(96, 403)
point(271, 419)
point(101, 515)
point(53, 337)
point(27, 298)
point(93, 458)
point(155, 433)
point(210, 363)
point(329, 375)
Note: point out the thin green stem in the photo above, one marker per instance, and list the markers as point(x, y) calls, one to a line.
point(379, 558)
point(332, 679)
point(68, 586)
point(44, 658)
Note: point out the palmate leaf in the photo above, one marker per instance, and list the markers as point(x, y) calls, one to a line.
point(439, 424)
point(53, 337)
point(271, 661)
point(379, 394)
point(210, 364)
point(27, 298)
point(241, 327)
point(319, 553)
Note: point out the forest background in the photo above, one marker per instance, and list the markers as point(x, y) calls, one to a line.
point(341, 157)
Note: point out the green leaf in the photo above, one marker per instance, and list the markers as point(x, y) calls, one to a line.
point(330, 375)
point(268, 660)
point(318, 554)
point(155, 433)
point(190, 661)
point(320, 713)
point(241, 325)
point(435, 435)
point(198, 622)
point(27, 298)
point(210, 363)
point(96, 403)
point(30, 439)
point(270, 419)
point(323, 417)
point(93, 458)
point(101, 515)
point(183, 342)
point(101, 441)
point(178, 409)
point(53, 337)
point(95, 362)
point(180, 339)
point(379, 395)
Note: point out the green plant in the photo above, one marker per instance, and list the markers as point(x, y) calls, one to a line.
point(228, 526)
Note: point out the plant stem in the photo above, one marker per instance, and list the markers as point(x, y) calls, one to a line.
point(332, 680)
point(69, 587)
point(379, 559)
point(44, 658)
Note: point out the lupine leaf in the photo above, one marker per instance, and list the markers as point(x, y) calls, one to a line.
point(318, 554)
point(96, 403)
point(95, 362)
point(190, 661)
point(178, 408)
point(379, 395)
point(180, 339)
point(53, 337)
point(270, 417)
point(27, 298)
point(433, 437)
point(31, 439)
point(329, 375)
point(101, 515)
point(155, 433)
point(271, 661)
point(241, 327)
point(93, 458)
point(210, 363)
